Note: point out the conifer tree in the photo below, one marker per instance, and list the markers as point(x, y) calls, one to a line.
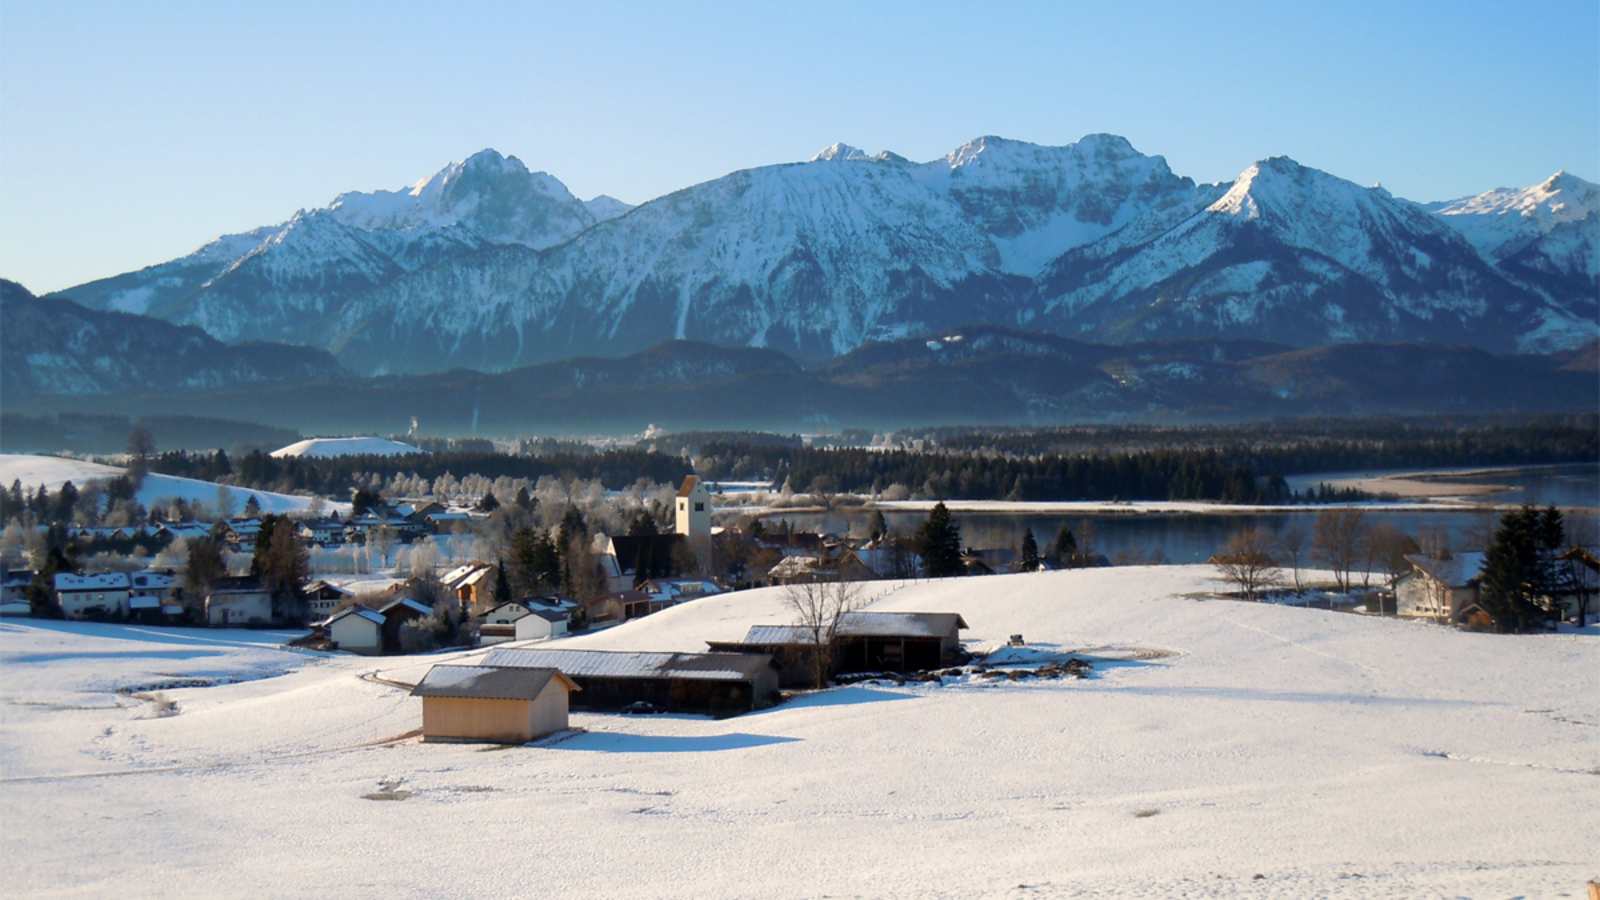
point(939, 542)
point(502, 584)
point(878, 527)
point(1064, 552)
point(1030, 551)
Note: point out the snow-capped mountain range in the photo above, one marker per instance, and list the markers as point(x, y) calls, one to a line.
point(488, 265)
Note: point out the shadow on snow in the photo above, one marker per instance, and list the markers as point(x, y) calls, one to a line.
point(617, 742)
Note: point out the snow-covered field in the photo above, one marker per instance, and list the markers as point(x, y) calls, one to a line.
point(325, 448)
point(54, 471)
point(1255, 750)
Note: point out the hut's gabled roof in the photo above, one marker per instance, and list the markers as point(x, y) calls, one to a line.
point(488, 682)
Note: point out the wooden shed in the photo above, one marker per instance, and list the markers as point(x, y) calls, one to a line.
point(491, 704)
point(718, 684)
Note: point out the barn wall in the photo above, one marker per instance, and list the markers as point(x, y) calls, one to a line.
point(356, 634)
point(550, 709)
point(460, 718)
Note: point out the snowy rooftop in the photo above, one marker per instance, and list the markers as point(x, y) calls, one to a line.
point(486, 682)
point(626, 664)
point(106, 581)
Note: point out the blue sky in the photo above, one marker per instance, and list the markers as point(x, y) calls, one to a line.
point(132, 133)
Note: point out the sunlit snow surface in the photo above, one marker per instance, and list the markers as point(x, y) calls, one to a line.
point(52, 472)
point(1245, 750)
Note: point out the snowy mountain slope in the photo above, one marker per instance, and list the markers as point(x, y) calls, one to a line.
point(1546, 236)
point(487, 265)
point(1293, 254)
point(494, 197)
point(813, 258)
point(290, 281)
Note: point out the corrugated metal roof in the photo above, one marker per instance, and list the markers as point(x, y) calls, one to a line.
point(630, 664)
point(769, 635)
point(860, 624)
point(486, 682)
point(900, 624)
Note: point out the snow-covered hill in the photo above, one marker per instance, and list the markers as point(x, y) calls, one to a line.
point(325, 448)
point(1221, 749)
point(53, 471)
point(488, 265)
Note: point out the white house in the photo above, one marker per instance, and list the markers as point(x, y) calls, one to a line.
point(540, 624)
point(161, 585)
point(357, 629)
point(14, 592)
point(238, 601)
point(105, 594)
point(1438, 589)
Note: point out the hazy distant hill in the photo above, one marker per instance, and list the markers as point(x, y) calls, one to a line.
point(973, 375)
point(59, 347)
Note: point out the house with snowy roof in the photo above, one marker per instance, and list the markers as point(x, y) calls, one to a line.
point(14, 585)
point(242, 600)
point(1439, 589)
point(102, 595)
point(323, 597)
point(523, 620)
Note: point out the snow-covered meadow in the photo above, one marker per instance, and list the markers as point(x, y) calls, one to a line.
point(1221, 748)
point(54, 471)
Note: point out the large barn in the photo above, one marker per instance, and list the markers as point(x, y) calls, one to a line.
point(495, 705)
point(714, 683)
point(863, 642)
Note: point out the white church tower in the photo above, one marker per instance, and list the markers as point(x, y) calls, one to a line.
point(694, 512)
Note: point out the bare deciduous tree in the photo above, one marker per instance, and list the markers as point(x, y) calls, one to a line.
point(1292, 547)
point(1337, 538)
point(1248, 562)
point(1388, 547)
point(818, 606)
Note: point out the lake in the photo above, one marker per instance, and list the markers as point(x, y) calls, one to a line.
point(1193, 538)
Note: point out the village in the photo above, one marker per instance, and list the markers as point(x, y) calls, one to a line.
point(515, 690)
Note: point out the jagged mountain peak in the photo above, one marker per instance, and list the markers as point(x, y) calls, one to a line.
point(605, 207)
point(840, 152)
point(1281, 187)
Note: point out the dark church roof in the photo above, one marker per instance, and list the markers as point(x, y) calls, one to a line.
point(645, 555)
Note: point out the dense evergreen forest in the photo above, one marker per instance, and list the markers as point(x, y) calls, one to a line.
point(1230, 464)
point(1244, 464)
